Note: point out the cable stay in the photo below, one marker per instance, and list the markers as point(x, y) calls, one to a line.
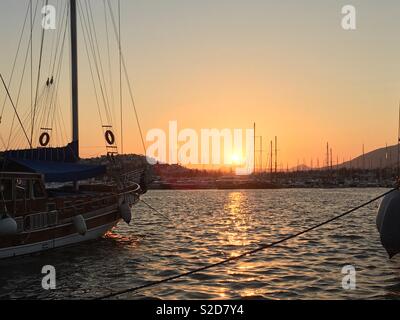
point(15, 58)
point(6, 144)
point(37, 83)
point(155, 210)
point(43, 102)
point(15, 110)
point(117, 36)
point(246, 253)
point(44, 94)
point(95, 66)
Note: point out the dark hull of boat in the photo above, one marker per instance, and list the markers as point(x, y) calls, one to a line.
point(98, 224)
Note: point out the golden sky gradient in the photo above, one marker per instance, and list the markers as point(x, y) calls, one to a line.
point(286, 65)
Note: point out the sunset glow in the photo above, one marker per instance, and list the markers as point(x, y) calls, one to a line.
point(226, 67)
point(206, 156)
point(236, 159)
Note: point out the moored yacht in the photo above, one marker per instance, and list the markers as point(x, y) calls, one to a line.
point(34, 214)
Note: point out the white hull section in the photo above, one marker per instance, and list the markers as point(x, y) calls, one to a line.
point(92, 234)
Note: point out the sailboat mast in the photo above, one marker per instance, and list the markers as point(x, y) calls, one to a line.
point(254, 150)
point(398, 148)
point(74, 76)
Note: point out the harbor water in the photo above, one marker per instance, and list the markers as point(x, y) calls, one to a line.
point(212, 225)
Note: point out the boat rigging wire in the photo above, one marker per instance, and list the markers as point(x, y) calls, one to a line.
point(16, 58)
point(30, 48)
point(120, 77)
point(90, 64)
point(18, 96)
point(155, 210)
point(245, 254)
point(7, 144)
point(108, 53)
point(38, 81)
point(127, 77)
point(92, 50)
point(98, 56)
point(16, 112)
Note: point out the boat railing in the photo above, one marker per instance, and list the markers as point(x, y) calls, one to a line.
point(84, 205)
point(132, 175)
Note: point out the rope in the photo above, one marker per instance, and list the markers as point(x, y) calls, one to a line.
point(109, 54)
point(97, 56)
point(38, 82)
point(127, 77)
point(245, 254)
point(90, 64)
point(15, 110)
point(120, 77)
point(91, 39)
point(15, 59)
point(22, 78)
point(155, 210)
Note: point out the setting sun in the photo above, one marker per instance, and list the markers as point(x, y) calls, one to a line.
point(236, 158)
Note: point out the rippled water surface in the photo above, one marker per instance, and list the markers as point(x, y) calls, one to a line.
point(212, 225)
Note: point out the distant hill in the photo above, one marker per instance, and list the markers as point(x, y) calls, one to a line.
point(301, 167)
point(379, 158)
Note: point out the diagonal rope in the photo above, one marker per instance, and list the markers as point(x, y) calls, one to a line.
point(109, 54)
point(247, 253)
point(88, 29)
point(81, 20)
point(7, 144)
point(120, 78)
point(127, 77)
point(92, 28)
point(15, 58)
point(155, 210)
point(15, 110)
point(38, 81)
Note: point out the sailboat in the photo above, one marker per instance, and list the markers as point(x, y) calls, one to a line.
point(47, 195)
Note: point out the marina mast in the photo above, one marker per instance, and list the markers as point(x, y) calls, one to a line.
point(276, 154)
point(74, 76)
point(254, 150)
point(272, 157)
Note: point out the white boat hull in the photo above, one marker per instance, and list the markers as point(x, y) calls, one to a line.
point(91, 234)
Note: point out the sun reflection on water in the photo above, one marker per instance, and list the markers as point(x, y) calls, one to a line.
point(237, 223)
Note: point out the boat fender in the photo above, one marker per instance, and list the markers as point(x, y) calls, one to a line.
point(8, 226)
point(388, 223)
point(125, 212)
point(80, 225)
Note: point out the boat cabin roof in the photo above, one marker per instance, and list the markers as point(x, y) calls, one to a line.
point(53, 171)
point(11, 169)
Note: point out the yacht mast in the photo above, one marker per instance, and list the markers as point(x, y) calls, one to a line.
point(74, 76)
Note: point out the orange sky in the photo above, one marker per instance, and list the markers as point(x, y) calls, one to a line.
point(288, 66)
